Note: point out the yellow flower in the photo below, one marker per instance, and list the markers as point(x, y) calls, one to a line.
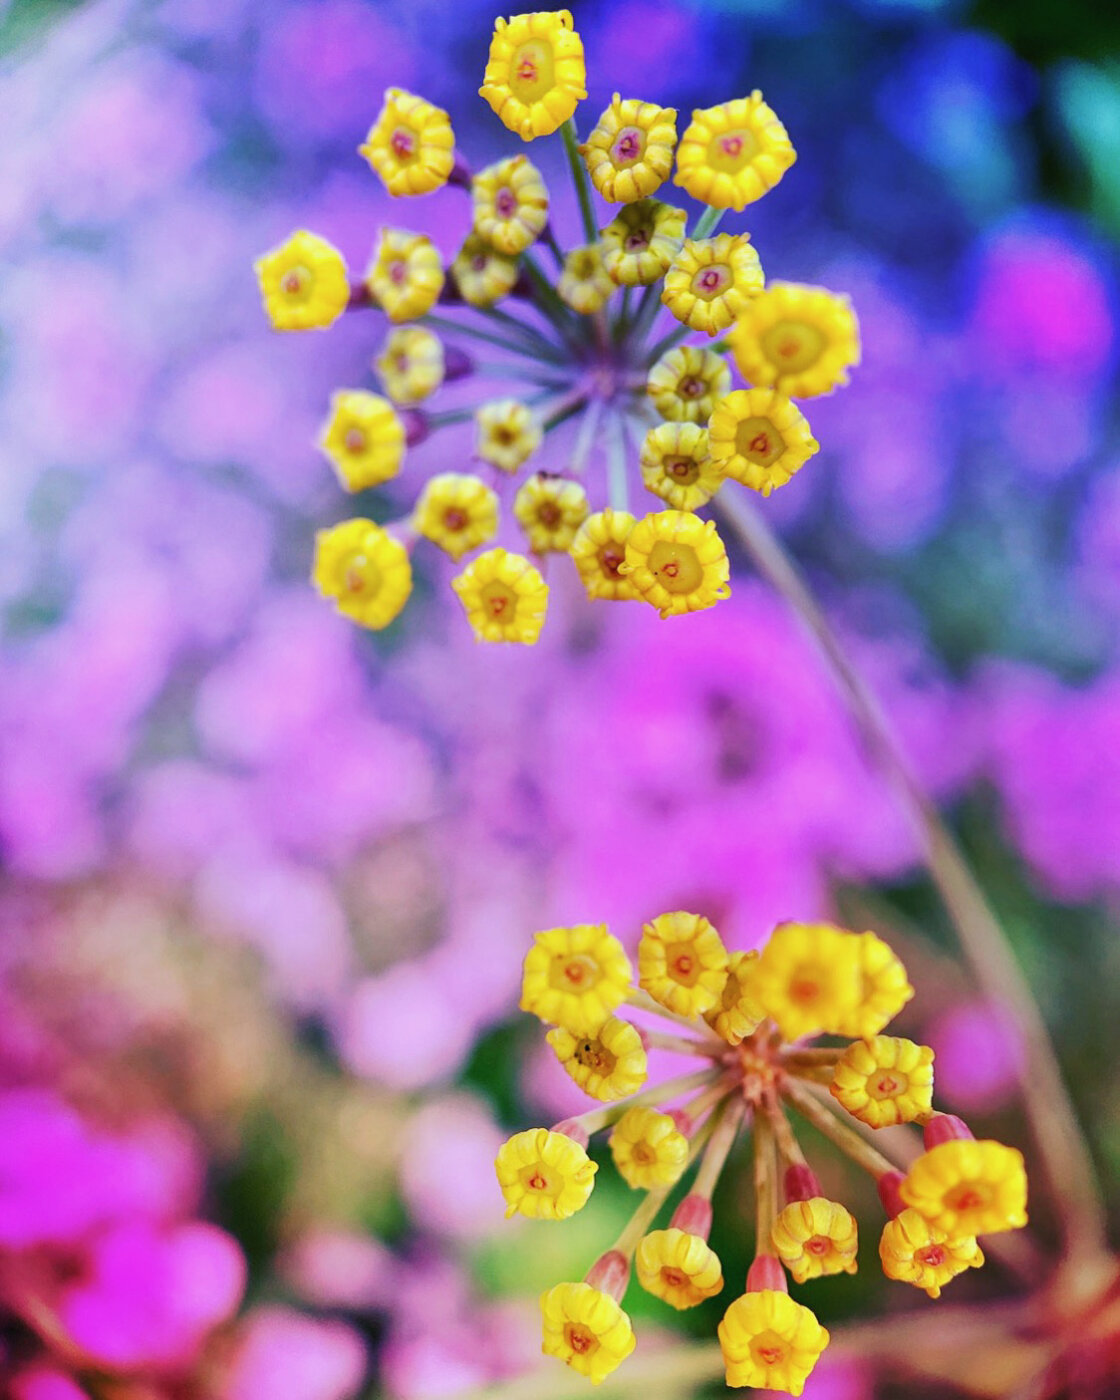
point(608, 1064)
point(575, 977)
point(363, 438)
point(815, 1237)
point(364, 569)
point(599, 551)
point(508, 433)
point(712, 280)
point(550, 510)
point(405, 277)
point(585, 1328)
point(504, 597)
point(629, 154)
point(770, 1342)
point(677, 562)
point(410, 145)
point(687, 382)
point(456, 511)
point(679, 1268)
point(759, 438)
point(808, 978)
point(482, 274)
point(546, 1176)
point(510, 204)
point(732, 154)
point(303, 282)
point(585, 283)
point(410, 364)
point(737, 1013)
point(884, 990)
point(914, 1251)
point(966, 1187)
point(640, 243)
point(682, 962)
point(648, 1149)
point(885, 1080)
point(676, 466)
point(797, 339)
point(535, 76)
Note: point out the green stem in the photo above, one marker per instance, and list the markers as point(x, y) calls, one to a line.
point(535, 339)
point(550, 304)
point(549, 239)
point(667, 342)
point(579, 178)
point(707, 223)
point(565, 409)
point(442, 323)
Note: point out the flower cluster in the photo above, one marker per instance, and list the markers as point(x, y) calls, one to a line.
point(749, 1014)
point(583, 336)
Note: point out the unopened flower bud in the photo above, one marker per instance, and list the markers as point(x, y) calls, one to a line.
point(610, 1274)
point(946, 1127)
point(766, 1275)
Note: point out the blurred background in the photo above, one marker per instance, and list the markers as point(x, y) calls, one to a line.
point(267, 881)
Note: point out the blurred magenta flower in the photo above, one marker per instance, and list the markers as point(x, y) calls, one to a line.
point(285, 1355)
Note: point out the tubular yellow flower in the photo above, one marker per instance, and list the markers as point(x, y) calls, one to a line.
point(648, 1149)
point(914, 1251)
point(303, 282)
point(456, 511)
point(884, 989)
point(732, 154)
point(585, 283)
point(677, 562)
point(410, 364)
point(815, 1237)
point(550, 510)
point(797, 339)
point(535, 76)
point(969, 1188)
point(482, 274)
point(575, 977)
point(885, 1080)
point(599, 551)
point(682, 962)
point(608, 1064)
point(364, 569)
point(687, 382)
point(510, 204)
point(737, 1013)
point(546, 1176)
point(676, 466)
point(363, 438)
point(504, 597)
point(586, 1329)
point(712, 280)
point(405, 277)
point(629, 154)
point(759, 438)
point(640, 243)
point(410, 145)
point(770, 1342)
point(679, 1268)
point(508, 433)
point(808, 978)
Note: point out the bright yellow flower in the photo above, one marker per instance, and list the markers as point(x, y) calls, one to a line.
point(303, 282)
point(504, 597)
point(405, 277)
point(550, 510)
point(410, 364)
point(966, 1187)
point(680, 1268)
point(798, 339)
point(732, 154)
point(884, 989)
point(687, 382)
point(808, 978)
point(815, 1237)
point(759, 438)
point(585, 1328)
point(410, 145)
point(712, 280)
point(535, 76)
point(648, 1148)
point(575, 977)
point(608, 1064)
point(510, 204)
point(482, 274)
point(677, 562)
point(364, 569)
point(599, 551)
point(885, 1080)
point(640, 243)
point(508, 433)
point(363, 438)
point(456, 511)
point(585, 283)
point(629, 154)
point(914, 1251)
point(676, 465)
point(546, 1176)
point(682, 962)
point(737, 1013)
point(770, 1342)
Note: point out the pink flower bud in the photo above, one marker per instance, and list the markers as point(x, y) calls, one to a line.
point(889, 1193)
point(801, 1182)
point(683, 1119)
point(457, 364)
point(610, 1274)
point(573, 1128)
point(693, 1216)
point(945, 1127)
point(415, 425)
point(766, 1275)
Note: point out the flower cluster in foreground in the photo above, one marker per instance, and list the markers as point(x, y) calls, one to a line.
point(750, 1014)
point(580, 335)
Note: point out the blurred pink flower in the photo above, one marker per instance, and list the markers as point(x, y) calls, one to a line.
point(336, 1268)
point(285, 1355)
point(979, 1056)
point(455, 1128)
point(45, 1383)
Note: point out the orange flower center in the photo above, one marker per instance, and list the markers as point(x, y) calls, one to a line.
point(499, 600)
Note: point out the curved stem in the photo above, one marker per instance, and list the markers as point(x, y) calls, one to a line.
point(579, 178)
point(722, 1140)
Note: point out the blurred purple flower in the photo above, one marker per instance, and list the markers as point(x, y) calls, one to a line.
point(286, 1356)
point(980, 1056)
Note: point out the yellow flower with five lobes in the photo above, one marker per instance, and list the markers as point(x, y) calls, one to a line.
point(629, 153)
point(410, 145)
point(482, 274)
point(676, 465)
point(599, 552)
point(737, 1013)
point(550, 510)
point(456, 511)
point(641, 241)
point(363, 438)
point(364, 570)
point(507, 433)
point(732, 154)
point(807, 978)
point(800, 340)
point(608, 1064)
point(712, 281)
point(770, 1342)
point(504, 597)
point(687, 382)
point(535, 76)
point(680, 1268)
point(914, 1251)
point(648, 1148)
point(544, 1175)
point(410, 365)
point(584, 284)
point(303, 281)
point(759, 438)
point(575, 977)
point(814, 1238)
point(405, 276)
point(586, 1329)
point(884, 989)
point(510, 202)
point(677, 562)
point(885, 1080)
point(682, 962)
point(969, 1187)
